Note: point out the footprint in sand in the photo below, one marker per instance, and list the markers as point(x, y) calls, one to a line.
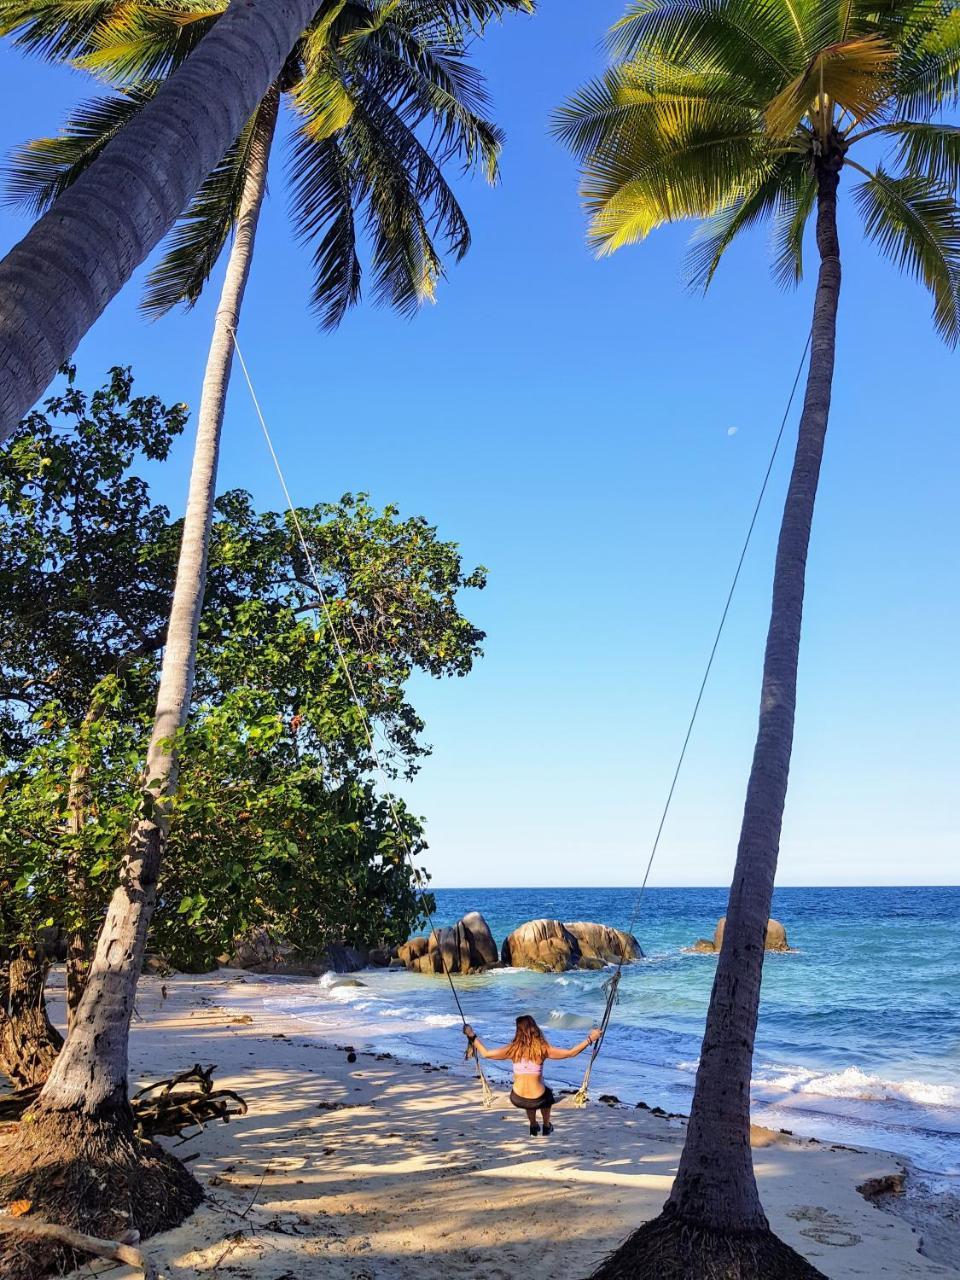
point(824, 1227)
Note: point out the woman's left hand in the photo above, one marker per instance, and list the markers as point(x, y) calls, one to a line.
point(594, 1035)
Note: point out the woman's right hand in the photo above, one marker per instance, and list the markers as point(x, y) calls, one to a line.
point(594, 1035)
point(468, 1031)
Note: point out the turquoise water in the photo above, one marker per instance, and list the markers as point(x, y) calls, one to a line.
point(859, 1035)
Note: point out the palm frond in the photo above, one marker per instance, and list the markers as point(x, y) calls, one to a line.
point(324, 192)
point(798, 198)
point(40, 171)
point(927, 73)
point(750, 206)
point(672, 162)
point(53, 29)
point(408, 202)
point(759, 44)
point(435, 86)
point(855, 75)
point(916, 222)
point(140, 41)
point(932, 149)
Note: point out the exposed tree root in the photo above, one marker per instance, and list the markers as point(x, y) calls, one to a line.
point(670, 1249)
point(95, 1175)
point(113, 1250)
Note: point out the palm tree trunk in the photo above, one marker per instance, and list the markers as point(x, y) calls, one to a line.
point(85, 1098)
point(714, 1200)
point(58, 279)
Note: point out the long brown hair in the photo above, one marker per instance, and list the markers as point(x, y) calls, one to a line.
point(529, 1041)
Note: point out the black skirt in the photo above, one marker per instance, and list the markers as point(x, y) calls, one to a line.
point(546, 1099)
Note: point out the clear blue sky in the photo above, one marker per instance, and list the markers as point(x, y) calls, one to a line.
point(571, 424)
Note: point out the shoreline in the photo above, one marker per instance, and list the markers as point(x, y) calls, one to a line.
point(373, 1169)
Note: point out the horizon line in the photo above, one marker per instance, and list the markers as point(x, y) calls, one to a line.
point(451, 888)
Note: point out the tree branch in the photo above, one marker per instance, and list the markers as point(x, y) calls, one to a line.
point(111, 1249)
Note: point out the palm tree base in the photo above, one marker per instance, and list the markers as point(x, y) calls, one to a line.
point(93, 1174)
point(669, 1248)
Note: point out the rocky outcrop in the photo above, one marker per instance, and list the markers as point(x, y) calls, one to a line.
point(775, 940)
point(547, 945)
point(411, 951)
point(601, 942)
point(467, 947)
point(552, 946)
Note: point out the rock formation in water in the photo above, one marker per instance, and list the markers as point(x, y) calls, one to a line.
point(549, 946)
point(601, 942)
point(467, 947)
point(775, 940)
point(553, 947)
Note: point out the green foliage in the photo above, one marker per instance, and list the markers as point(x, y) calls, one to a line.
point(384, 98)
point(728, 111)
point(276, 821)
point(86, 559)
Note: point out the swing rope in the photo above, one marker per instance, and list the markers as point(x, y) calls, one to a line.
point(612, 986)
point(488, 1094)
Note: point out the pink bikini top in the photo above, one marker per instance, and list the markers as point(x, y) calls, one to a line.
point(524, 1067)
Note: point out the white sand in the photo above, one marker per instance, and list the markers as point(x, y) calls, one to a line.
point(408, 1176)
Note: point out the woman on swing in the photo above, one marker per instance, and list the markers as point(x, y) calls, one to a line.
point(528, 1050)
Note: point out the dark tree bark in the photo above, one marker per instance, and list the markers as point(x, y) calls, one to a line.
point(713, 1223)
point(60, 277)
point(29, 1042)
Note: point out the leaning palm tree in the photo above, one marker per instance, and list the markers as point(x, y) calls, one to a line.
point(361, 86)
point(734, 111)
point(58, 279)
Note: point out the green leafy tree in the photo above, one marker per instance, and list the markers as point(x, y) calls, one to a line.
point(276, 787)
point(85, 557)
point(735, 111)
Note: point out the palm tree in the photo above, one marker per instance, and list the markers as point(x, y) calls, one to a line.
point(62, 274)
point(734, 111)
point(362, 86)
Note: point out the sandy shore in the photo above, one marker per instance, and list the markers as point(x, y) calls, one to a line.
point(383, 1169)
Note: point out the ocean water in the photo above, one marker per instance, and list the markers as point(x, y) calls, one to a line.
point(859, 1034)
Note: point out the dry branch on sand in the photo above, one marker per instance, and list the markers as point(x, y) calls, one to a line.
point(182, 1102)
point(168, 1107)
point(112, 1250)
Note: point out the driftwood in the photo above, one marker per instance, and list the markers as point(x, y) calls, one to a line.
point(168, 1107)
point(111, 1249)
point(184, 1101)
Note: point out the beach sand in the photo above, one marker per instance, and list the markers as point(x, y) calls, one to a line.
point(383, 1169)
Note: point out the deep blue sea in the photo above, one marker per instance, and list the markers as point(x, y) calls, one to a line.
point(859, 1035)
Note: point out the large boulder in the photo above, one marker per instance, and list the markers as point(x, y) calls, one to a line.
point(547, 945)
point(775, 940)
point(480, 942)
point(601, 942)
point(467, 947)
point(411, 951)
